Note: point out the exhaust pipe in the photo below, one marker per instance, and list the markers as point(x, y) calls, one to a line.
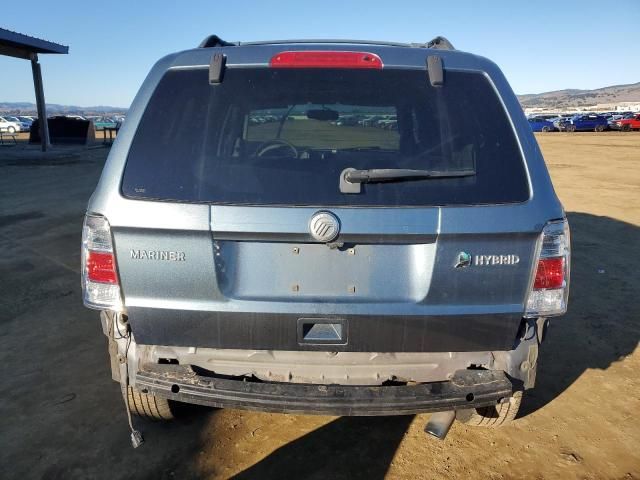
point(440, 423)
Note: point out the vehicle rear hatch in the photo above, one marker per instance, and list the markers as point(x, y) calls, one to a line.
point(255, 244)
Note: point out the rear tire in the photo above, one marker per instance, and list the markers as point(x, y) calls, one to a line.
point(571, 128)
point(545, 129)
point(148, 405)
point(494, 416)
point(599, 128)
point(11, 129)
point(626, 128)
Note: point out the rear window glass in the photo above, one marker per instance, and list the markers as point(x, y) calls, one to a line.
point(283, 137)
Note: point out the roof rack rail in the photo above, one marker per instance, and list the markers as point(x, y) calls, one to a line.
point(440, 43)
point(215, 41)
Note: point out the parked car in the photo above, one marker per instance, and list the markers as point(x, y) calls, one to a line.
point(589, 122)
point(389, 123)
point(627, 124)
point(559, 121)
point(541, 125)
point(545, 116)
point(9, 126)
point(100, 123)
point(348, 120)
point(27, 119)
point(314, 269)
point(25, 125)
point(371, 120)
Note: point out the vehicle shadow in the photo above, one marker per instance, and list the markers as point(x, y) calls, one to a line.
point(601, 325)
point(349, 447)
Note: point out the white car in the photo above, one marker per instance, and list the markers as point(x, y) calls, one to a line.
point(7, 126)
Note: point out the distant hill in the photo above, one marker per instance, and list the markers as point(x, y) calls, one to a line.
point(571, 98)
point(558, 99)
point(26, 108)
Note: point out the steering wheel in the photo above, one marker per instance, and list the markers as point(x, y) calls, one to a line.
point(275, 144)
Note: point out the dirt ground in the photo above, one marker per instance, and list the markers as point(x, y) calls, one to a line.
point(61, 417)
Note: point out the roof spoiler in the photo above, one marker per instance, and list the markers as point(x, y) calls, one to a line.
point(440, 43)
point(215, 41)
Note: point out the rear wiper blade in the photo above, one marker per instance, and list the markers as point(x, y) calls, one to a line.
point(386, 174)
point(372, 148)
point(351, 178)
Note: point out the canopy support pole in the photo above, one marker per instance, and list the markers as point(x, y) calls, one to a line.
point(40, 103)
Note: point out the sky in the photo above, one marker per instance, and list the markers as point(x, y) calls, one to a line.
point(540, 45)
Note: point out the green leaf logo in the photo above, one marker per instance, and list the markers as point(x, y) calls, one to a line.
point(464, 260)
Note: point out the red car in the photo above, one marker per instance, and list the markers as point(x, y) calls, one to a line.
point(627, 124)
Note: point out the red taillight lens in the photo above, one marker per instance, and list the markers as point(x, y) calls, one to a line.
point(101, 267)
point(325, 59)
point(550, 273)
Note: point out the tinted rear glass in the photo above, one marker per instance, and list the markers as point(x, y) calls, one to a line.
point(283, 137)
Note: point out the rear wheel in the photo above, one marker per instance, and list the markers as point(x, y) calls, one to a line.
point(148, 406)
point(626, 128)
point(599, 128)
point(11, 129)
point(545, 129)
point(493, 416)
point(571, 128)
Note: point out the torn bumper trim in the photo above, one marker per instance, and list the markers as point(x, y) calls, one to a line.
point(467, 389)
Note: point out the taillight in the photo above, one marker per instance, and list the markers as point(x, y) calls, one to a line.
point(325, 59)
point(101, 267)
point(550, 289)
point(550, 273)
point(100, 287)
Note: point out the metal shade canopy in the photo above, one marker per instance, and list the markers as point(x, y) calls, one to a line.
point(17, 45)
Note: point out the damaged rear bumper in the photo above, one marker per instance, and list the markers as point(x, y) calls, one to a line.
point(466, 389)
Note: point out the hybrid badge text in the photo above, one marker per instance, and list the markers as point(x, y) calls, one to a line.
point(466, 259)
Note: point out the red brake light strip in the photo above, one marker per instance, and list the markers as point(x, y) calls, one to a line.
point(325, 59)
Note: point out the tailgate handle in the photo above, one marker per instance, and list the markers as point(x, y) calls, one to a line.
point(322, 331)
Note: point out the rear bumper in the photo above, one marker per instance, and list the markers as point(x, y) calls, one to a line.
point(362, 333)
point(466, 389)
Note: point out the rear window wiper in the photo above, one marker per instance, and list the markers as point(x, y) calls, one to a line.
point(371, 148)
point(351, 179)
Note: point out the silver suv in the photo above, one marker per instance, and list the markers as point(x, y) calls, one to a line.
point(326, 227)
